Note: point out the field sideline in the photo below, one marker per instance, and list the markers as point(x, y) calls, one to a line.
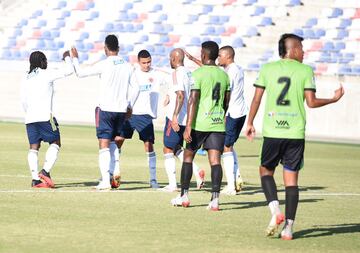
point(75, 218)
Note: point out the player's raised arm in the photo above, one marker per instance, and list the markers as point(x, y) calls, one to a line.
point(55, 74)
point(192, 58)
point(313, 102)
point(91, 70)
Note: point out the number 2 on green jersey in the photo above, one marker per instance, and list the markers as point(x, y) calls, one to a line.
point(280, 100)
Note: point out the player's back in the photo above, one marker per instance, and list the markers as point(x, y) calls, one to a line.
point(115, 79)
point(285, 82)
point(237, 105)
point(212, 83)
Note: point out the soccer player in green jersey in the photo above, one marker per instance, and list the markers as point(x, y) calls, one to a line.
point(287, 83)
point(205, 124)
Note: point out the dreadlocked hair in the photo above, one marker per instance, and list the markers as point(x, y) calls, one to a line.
point(37, 60)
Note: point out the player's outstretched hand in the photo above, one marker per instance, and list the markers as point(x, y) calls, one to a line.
point(187, 134)
point(250, 132)
point(66, 54)
point(338, 93)
point(74, 53)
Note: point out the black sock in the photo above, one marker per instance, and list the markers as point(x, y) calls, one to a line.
point(215, 195)
point(291, 201)
point(186, 174)
point(269, 187)
point(216, 177)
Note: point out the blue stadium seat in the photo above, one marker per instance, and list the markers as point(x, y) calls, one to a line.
point(252, 31)
point(309, 34)
point(128, 6)
point(51, 45)
point(143, 38)
point(80, 46)
point(109, 27)
point(339, 46)
point(325, 57)
point(25, 54)
point(342, 34)
point(310, 23)
point(89, 46)
point(55, 57)
point(133, 16)
point(118, 27)
point(162, 17)
point(344, 23)
point(253, 66)
point(266, 21)
point(299, 32)
point(138, 27)
point(16, 55)
point(344, 70)
point(160, 50)
point(150, 48)
point(214, 20)
point(336, 13)
point(83, 57)
point(84, 35)
point(258, 11)
point(60, 44)
point(355, 70)
point(6, 54)
point(210, 30)
point(23, 22)
point(195, 41)
point(192, 19)
point(40, 45)
point(60, 24)
point(93, 15)
point(156, 8)
point(224, 19)
point(41, 23)
point(123, 16)
point(60, 5)
point(294, 3)
point(89, 5)
point(55, 33)
point(219, 30)
point(46, 35)
point(17, 32)
point(319, 33)
point(65, 14)
point(237, 42)
point(207, 9)
point(249, 2)
point(36, 14)
point(129, 27)
point(328, 46)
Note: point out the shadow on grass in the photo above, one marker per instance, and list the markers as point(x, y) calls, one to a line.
point(95, 183)
point(328, 230)
point(254, 204)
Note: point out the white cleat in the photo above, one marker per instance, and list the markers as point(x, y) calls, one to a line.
point(213, 205)
point(103, 186)
point(168, 188)
point(239, 183)
point(228, 191)
point(181, 201)
point(275, 221)
point(287, 232)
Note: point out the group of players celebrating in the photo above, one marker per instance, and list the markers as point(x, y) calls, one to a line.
point(205, 108)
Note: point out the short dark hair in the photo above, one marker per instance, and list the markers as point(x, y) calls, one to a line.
point(144, 54)
point(282, 47)
point(37, 59)
point(230, 50)
point(112, 43)
point(211, 48)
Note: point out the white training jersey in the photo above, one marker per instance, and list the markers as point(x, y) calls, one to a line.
point(149, 87)
point(115, 91)
point(237, 106)
point(37, 91)
point(181, 81)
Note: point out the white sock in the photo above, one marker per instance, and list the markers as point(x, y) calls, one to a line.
point(228, 159)
point(170, 169)
point(104, 164)
point(151, 156)
point(51, 156)
point(274, 207)
point(33, 163)
point(114, 157)
point(236, 165)
point(196, 168)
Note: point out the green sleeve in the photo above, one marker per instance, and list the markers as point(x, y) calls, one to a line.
point(196, 84)
point(309, 82)
point(261, 80)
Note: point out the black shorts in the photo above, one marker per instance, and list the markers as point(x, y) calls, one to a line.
point(289, 152)
point(209, 140)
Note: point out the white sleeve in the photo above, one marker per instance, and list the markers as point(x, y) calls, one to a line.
point(178, 81)
point(92, 70)
point(23, 96)
point(133, 91)
point(55, 74)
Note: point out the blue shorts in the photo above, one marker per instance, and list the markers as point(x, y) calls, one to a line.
point(233, 128)
point(108, 124)
point(142, 124)
point(47, 131)
point(173, 140)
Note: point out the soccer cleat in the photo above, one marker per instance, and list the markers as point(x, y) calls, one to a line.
point(102, 186)
point(201, 183)
point(287, 233)
point(168, 188)
point(154, 184)
point(239, 183)
point(46, 177)
point(275, 221)
point(213, 205)
point(39, 184)
point(115, 181)
point(228, 191)
point(181, 201)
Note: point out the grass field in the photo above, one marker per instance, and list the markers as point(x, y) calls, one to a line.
point(75, 218)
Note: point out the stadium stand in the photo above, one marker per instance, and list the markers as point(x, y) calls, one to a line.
point(331, 29)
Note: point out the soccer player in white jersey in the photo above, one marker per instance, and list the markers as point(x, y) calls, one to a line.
point(178, 96)
point(37, 92)
point(235, 119)
point(116, 98)
point(144, 111)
